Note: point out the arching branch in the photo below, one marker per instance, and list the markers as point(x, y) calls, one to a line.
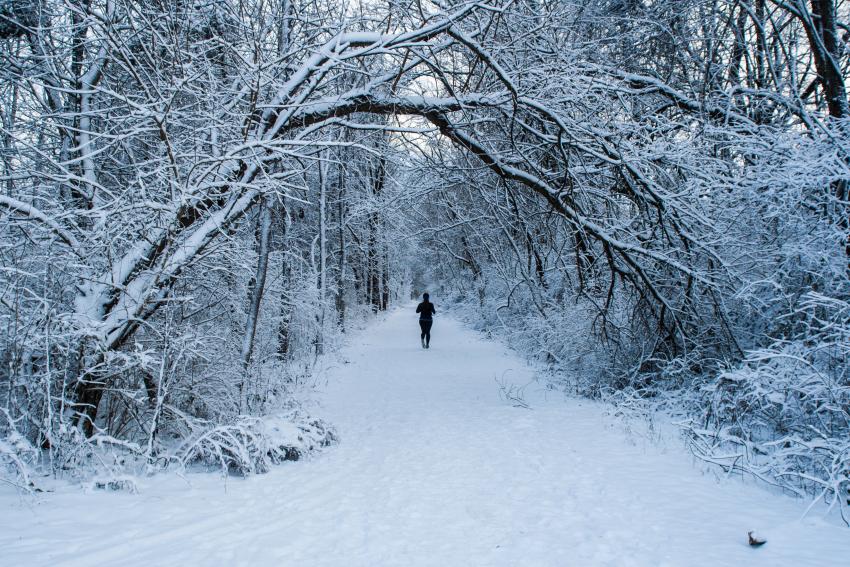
point(32, 213)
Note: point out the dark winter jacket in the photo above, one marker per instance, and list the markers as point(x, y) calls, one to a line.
point(426, 311)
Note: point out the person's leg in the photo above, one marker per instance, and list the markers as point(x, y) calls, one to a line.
point(422, 328)
point(427, 329)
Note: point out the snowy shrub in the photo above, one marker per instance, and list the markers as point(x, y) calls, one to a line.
point(252, 444)
point(17, 455)
point(783, 414)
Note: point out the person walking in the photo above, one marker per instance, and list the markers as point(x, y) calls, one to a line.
point(426, 312)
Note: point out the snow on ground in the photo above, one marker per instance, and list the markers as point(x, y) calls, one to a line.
point(434, 469)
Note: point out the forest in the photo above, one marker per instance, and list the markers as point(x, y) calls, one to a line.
point(199, 199)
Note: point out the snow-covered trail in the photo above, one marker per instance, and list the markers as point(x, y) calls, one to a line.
point(434, 469)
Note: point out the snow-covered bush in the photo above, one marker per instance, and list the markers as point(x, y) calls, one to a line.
point(17, 455)
point(252, 444)
point(783, 413)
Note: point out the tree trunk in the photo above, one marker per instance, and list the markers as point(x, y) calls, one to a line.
point(373, 253)
point(323, 257)
point(256, 293)
point(826, 45)
point(340, 274)
point(822, 32)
